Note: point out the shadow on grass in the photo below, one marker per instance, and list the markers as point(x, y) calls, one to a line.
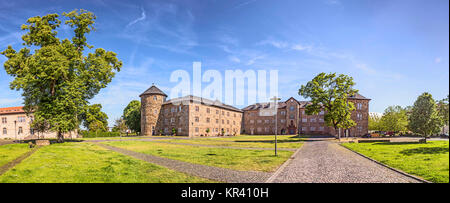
point(397, 143)
point(270, 141)
point(425, 150)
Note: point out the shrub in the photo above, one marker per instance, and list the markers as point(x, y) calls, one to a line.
point(90, 134)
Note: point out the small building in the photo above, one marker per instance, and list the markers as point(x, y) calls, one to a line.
point(15, 124)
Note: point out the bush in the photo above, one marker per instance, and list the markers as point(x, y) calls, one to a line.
point(90, 134)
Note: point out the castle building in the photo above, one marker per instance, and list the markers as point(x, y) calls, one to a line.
point(196, 116)
point(16, 124)
point(187, 116)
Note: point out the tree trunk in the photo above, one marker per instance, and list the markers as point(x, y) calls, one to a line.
point(60, 137)
point(336, 132)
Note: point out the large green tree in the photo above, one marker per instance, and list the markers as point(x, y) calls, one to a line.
point(132, 116)
point(55, 76)
point(94, 119)
point(394, 119)
point(329, 92)
point(443, 109)
point(374, 122)
point(424, 118)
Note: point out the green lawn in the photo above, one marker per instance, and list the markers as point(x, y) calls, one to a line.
point(10, 152)
point(237, 159)
point(88, 163)
point(247, 141)
point(429, 161)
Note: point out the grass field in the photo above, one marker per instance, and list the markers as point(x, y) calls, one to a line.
point(429, 161)
point(237, 159)
point(10, 152)
point(86, 163)
point(244, 141)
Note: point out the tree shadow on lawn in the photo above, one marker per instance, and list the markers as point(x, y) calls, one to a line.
point(425, 150)
point(270, 141)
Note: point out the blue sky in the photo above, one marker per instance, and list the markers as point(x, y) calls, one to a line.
point(394, 49)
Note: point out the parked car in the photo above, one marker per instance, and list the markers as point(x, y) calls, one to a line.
point(444, 136)
point(366, 135)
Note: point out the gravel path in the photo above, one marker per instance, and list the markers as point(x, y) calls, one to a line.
point(208, 172)
point(328, 162)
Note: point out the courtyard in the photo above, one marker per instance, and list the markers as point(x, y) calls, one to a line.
point(221, 159)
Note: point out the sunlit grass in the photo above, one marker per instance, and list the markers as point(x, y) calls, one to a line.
point(429, 161)
point(89, 163)
point(237, 159)
point(10, 152)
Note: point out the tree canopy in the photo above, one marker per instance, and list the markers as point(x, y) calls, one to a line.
point(424, 118)
point(329, 92)
point(94, 119)
point(132, 116)
point(394, 119)
point(57, 79)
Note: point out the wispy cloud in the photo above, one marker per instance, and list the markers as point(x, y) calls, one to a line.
point(438, 60)
point(143, 17)
point(333, 2)
point(243, 4)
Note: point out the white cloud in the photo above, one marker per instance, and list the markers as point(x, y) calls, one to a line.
point(300, 47)
point(275, 43)
point(234, 59)
point(143, 17)
point(438, 60)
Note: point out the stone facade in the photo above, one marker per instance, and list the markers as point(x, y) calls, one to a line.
point(292, 119)
point(195, 116)
point(16, 124)
point(188, 116)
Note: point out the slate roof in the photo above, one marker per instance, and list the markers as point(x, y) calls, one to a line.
point(358, 96)
point(200, 100)
point(153, 90)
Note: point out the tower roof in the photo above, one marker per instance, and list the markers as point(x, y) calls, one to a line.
point(153, 90)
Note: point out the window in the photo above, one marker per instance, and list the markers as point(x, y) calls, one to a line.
point(304, 120)
point(4, 131)
point(196, 129)
point(21, 119)
point(179, 108)
point(223, 121)
point(31, 131)
point(283, 113)
point(259, 121)
point(155, 98)
point(172, 120)
point(223, 113)
point(252, 121)
point(217, 120)
point(313, 120)
point(258, 129)
point(228, 113)
point(228, 121)
point(207, 110)
point(359, 116)
point(179, 130)
point(234, 115)
point(234, 122)
point(313, 128)
point(4, 120)
point(207, 120)
point(291, 116)
point(217, 111)
point(197, 108)
point(321, 120)
point(266, 121)
point(20, 130)
point(156, 111)
point(173, 109)
point(321, 128)
point(282, 120)
point(359, 106)
point(266, 129)
point(196, 119)
point(303, 112)
point(166, 121)
point(303, 128)
point(292, 108)
point(321, 112)
point(166, 130)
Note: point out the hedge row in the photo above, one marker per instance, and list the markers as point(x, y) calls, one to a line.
point(88, 134)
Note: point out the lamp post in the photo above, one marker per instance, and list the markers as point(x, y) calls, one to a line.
point(275, 100)
point(15, 131)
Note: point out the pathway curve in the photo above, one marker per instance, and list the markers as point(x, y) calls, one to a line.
point(11, 164)
point(219, 146)
point(209, 172)
point(328, 162)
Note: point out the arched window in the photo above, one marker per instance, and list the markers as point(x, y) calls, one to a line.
point(20, 130)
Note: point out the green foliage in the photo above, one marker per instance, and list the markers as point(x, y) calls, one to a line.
point(132, 116)
point(57, 80)
point(374, 122)
point(174, 131)
point(90, 134)
point(443, 109)
point(329, 92)
point(424, 118)
point(120, 126)
point(394, 119)
point(94, 119)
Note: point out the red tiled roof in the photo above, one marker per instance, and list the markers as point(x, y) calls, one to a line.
point(11, 110)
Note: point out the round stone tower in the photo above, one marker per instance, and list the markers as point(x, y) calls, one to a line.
point(151, 103)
